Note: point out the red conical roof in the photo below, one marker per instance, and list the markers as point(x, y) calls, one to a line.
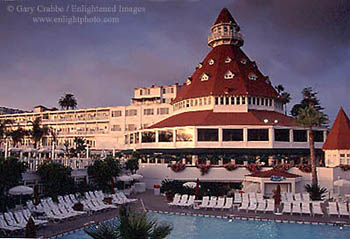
point(339, 136)
point(224, 17)
point(239, 64)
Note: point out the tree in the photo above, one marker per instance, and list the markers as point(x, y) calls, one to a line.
point(17, 135)
point(316, 193)
point(3, 128)
point(284, 96)
point(103, 172)
point(131, 225)
point(66, 146)
point(11, 171)
point(67, 102)
point(133, 163)
point(38, 132)
point(311, 115)
point(56, 178)
point(80, 144)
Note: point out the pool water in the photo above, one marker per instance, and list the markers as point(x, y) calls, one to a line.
point(190, 227)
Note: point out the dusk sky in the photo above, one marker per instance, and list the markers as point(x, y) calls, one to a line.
point(298, 43)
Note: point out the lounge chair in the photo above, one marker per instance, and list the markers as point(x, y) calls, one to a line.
point(123, 196)
point(101, 204)
point(20, 218)
point(261, 206)
point(287, 207)
point(220, 203)
point(297, 197)
point(189, 202)
point(290, 197)
point(27, 215)
point(332, 209)
point(11, 221)
point(183, 200)
point(68, 200)
point(238, 198)
point(306, 197)
point(259, 197)
point(176, 200)
point(252, 197)
point(244, 206)
point(212, 203)
point(343, 210)
point(228, 203)
point(205, 202)
point(73, 198)
point(296, 207)
point(51, 216)
point(245, 197)
point(252, 206)
point(305, 208)
point(284, 197)
point(316, 208)
point(6, 227)
point(99, 195)
point(270, 205)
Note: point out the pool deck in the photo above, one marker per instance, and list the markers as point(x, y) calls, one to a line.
point(159, 204)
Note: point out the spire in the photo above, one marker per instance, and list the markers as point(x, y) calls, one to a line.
point(339, 136)
point(225, 31)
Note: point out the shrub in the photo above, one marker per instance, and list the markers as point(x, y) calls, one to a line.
point(178, 167)
point(316, 192)
point(231, 166)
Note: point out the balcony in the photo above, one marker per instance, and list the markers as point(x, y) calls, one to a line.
point(225, 35)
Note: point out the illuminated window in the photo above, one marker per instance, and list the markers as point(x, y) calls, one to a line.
point(205, 77)
point(229, 75)
point(211, 62)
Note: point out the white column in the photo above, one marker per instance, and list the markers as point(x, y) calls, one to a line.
point(271, 136)
point(245, 134)
point(291, 138)
point(87, 152)
point(6, 147)
point(220, 136)
point(53, 151)
point(157, 136)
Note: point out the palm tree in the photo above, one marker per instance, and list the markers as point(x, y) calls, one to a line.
point(309, 117)
point(17, 135)
point(3, 129)
point(131, 226)
point(38, 132)
point(68, 101)
point(284, 96)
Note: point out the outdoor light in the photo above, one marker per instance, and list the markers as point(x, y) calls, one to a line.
point(266, 121)
point(276, 121)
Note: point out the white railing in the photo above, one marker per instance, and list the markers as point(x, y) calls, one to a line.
point(233, 35)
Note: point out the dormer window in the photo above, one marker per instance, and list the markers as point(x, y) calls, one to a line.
point(205, 77)
point(228, 60)
point(243, 61)
point(252, 76)
point(188, 81)
point(229, 75)
point(211, 62)
point(200, 65)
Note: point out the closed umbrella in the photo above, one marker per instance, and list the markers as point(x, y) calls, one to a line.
point(190, 184)
point(277, 195)
point(198, 192)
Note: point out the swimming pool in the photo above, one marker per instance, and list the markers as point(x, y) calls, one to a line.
point(191, 227)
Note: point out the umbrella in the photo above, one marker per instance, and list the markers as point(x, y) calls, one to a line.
point(44, 150)
point(59, 151)
point(30, 150)
point(278, 195)
point(341, 183)
point(21, 190)
point(16, 149)
point(136, 176)
point(190, 184)
point(125, 178)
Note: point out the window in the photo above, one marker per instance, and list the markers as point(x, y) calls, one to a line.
point(232, 134)
point(141, 92)
point(164, 91)
point(318, 136)
point(228, 60)
point(243, 61)
point(229, 75)
point(131, 112)
point(148, 137)
point(116, 113)
point(252, 76)
point(205, 101)
point(200, 65)
point(257, 101)
point(116, 128)
point(163, 111)
point(131, 127)
point(249, 101)
point(208, 134)
point(266, 102)
point(221, 100)
point(148, 112)
point(211, 62)
point(300, 135)
point(184, 135)
point(238, 100)
point(216, 100)
point(165, 136)
point(227, 100)
point(258, 135)
point(342, 155)
point(243, 100)
point(282, 135)
point(205, 77)
point(232, 100)
point(254, 99)
point(270, 102)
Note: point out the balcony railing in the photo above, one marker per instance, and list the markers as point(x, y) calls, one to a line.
point(225, 35)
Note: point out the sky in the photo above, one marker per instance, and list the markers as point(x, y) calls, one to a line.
point(297, 43)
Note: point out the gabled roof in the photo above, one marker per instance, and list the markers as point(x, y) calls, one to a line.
point(217, 85)
point(339, 136)
point(273, 172)
point(208, 118)
point(224, 17)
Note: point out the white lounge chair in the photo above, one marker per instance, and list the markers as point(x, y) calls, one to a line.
point(296, 207)
point(245, 197)
point(6, 227)
point(252, 206)
point(228, 203)
point(12, 221)
point(183, 200)
point(287, 207)
point(261, 206)
point(176, 200)
point(332, 209)
point(284, 197)
point(259, 197)
point(126, 199)
point(20, 218)
point(252, 196)
point(238, 198)
point(205, 202)
point(343, 210)
point(51, 216)
point(297, 197)
point(27, 215)
point(189, 202)
point(212, 203)
point(305, 208)
point(316, 208)
point(73, 198)
point(244, 206)
point(306, 197)
point(270, 205)
point(220, 203)
point(290, 197)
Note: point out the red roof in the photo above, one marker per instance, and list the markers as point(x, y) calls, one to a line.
point(273, 172)
point(240, 84)
point(208, 117)
point(339, 136)
point(225, 17)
